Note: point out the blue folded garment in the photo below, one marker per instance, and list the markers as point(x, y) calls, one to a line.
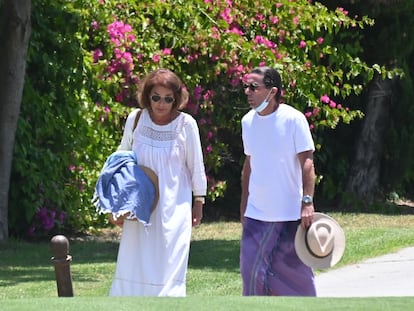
point(124, 188)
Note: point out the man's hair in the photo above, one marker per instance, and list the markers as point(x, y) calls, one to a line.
point(271, 78)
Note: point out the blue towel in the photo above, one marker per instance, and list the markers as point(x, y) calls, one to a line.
point(124, 187)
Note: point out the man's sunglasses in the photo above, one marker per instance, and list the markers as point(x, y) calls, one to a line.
point(252, 86)
point(167, 99)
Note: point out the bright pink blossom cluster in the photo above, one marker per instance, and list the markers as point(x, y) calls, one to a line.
point(120, 65)
point(325, 99)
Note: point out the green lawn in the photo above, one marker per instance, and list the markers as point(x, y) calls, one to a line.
point(27, 278)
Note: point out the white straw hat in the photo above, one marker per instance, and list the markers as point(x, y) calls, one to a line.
point(321, 245)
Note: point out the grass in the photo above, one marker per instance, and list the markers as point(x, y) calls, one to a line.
point(27, 278)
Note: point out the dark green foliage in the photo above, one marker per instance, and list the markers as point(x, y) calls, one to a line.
point(51, 127)
point(390, 42)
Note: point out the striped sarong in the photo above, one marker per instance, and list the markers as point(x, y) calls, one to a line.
point(269, 264)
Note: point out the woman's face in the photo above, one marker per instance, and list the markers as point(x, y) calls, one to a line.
point(162, 101)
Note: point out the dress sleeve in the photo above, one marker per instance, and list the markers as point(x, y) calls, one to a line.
point(126, 141)
point(194, 158)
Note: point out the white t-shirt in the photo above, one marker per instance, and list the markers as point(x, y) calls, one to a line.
point(273, 142)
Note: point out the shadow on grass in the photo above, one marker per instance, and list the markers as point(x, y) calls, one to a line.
point(220, 255)
point(388, 208)
point(22, 261)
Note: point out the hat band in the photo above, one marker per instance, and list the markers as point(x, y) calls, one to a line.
point(310, 249)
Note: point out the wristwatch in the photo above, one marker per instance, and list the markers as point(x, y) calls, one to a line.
point(199, 199)
point(307, 199)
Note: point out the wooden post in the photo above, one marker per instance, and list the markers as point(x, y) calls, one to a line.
point(61, 260)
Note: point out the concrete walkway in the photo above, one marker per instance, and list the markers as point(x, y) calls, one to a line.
point(388, 275)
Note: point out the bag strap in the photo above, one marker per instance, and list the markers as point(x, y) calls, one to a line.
point(136, 119)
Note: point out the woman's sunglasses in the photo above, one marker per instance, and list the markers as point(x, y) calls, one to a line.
point(252, 86)
point(167, 99)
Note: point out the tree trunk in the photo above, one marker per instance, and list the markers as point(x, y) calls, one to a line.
point(364, 177)
point(15, 30)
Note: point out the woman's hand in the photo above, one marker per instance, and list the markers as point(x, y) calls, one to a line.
point(197, 213)
point(118, 222)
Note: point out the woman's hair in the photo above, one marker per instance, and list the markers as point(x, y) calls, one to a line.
point(271, 78)
point(167, 79)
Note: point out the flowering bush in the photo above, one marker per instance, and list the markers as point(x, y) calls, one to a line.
point(46, 222)
point(213, 44)
point(101, 49)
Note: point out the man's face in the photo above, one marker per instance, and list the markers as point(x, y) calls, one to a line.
point(255, 89)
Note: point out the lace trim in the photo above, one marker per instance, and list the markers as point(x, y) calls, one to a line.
point(158, 135)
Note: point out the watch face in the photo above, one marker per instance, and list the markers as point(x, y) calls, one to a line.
point(307, 199)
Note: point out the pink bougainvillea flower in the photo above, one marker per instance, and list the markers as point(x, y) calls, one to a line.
point(319, 40)
point(235, 28)
point(325, 99)
point(209, 149)
point(225, 14)
point(95, 25)
point(302, 44)
point(260, 17)
point(274, 19)
point(215, 33)
point(198, 90)
point(127, 57)
point(345, 12)
point(296, 20)
point(166, 51)
point(131, 37)
point(119, 97)
point(97, 54)
point(156, 58)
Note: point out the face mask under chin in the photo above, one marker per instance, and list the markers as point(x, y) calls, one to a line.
point(264, 104)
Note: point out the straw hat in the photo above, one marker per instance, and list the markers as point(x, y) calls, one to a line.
point(321, 245)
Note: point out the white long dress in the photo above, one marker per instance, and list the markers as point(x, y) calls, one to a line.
point(153, 260)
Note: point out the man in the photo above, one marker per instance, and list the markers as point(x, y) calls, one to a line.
point(278, 180)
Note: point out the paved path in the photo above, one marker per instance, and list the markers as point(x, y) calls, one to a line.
point(388, 275)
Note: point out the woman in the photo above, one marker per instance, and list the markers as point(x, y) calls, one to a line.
point(153, 260)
